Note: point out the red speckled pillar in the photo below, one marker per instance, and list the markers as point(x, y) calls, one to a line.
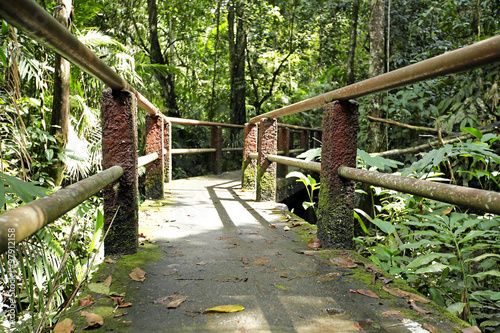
point(249, 166)
point(284, 136)
point(119, 147)
point(167, 145)
point(266, 171)
point(217, 155)
point(155, 173)
point(336, 195)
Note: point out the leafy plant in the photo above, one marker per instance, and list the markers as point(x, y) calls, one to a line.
point(310, 184)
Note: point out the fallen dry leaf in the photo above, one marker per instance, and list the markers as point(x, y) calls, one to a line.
point(201, 263)
point(363, 324)
point(110, 261)
point(472, 329)
point(65, 326)
point(273, 226)
point(167, 299)
point(430, 328)
point(405, 294)
point(171, 272)
point(269, 242)
point(328, 277)
point(125, 305)
point(307, 252)
point(93, 320)
point(138, 274)
point(389, 313)
point(297, 224)
point(365, 292)
point(226, 309)
point(343, 262)
point(85, 301)
point(260, 261)
point(415, 307)
point(175, 304)
point(107, 282)
point(127, 321)
point(314, 243)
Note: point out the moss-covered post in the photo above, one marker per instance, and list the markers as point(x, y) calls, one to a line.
point(336, 194)
point(155, 172)
point(304, 139)
point(284, 135)
point(167, 145)
point(249, 165)
point(266, 170)
point(119, 147)
point(217, 155)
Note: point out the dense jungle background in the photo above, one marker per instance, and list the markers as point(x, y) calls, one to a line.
point(229, 60)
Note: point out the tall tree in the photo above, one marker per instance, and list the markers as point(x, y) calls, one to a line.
point(165, 78)
point(376, 68)
point(237, 39)
point(352, 41)
point(60, 109)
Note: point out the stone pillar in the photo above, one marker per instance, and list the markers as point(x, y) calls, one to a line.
point(304, 139)
point(336, 194)
point(155, 172)
point(217, 155)
point(167, 145)
point(266, 171)
point(249, 165)
point(119, 147)
point(284, 136)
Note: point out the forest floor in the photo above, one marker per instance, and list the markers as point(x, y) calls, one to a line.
point(210, 244)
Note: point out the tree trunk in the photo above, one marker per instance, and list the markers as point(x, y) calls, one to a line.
point(211, 111)
point(167, 83)
point(237, 46)
point(376, 68)
point(60, 108)
point(352, 42)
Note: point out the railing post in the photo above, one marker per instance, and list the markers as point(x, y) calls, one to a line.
point(304, 139)
point(167, 145)
point(249, 165)
point(155, 172)
point(284, 135)
point(336, 195)
point(119, 147)
point(217, 155)
point(266, 170)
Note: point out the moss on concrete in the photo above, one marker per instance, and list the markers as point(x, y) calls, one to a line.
point(266, 185)
point(249, 176)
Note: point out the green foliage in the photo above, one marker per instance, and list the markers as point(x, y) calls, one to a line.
point(310, 184)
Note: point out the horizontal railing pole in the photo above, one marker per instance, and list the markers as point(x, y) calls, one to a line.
point(183, 121)
point(468, 57)
point(306, 165)
point(253, 156)
point(295, 127)
point(192, 150)
point(146, 159)
point(24, 221)
point(487, 201)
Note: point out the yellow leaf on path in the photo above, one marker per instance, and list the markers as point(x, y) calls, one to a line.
point(65, 326)
point(138, 274)
point(226, 308)
point(107, 282)
point(93, 320)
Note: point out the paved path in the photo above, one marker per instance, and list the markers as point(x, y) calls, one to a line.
point(221, 248)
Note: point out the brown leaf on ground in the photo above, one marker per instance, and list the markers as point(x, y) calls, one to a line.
point(273, 226)
point(405, 294)
point(107, 282)
point(297, 224)
point(363, 324)
point(138, 274)
point(365, 292)
point(65, 326)
point(193, 313)
point(269, 242)
point(415, 307)
point(314, 243)
point(85, 301)
point(259, 261)
point(175, 304)
point(328, 277)
point(430, 328)
point(389, 313)
point(313, 232)
point(307, 252)
point(201, 263)
point(167, 299)
point(110, 261)
point(93, 320)
point(284, 275)
point(343, 262)
point(125, 305)
point(371, 268)
point(171, 272)
point(231, 279)
point(472, 329)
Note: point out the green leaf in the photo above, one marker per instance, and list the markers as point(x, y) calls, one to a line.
point(360, 220)
point(3, 57)
point(456, 308)
point(385, 226)
point(23, 190)
point(311, 154)
point(437, 267)
point(300, 175)
point(426, 259)
point(472, 131)
point(377, 161)
point(99, 223)
point(487, 273)
point(2, 194)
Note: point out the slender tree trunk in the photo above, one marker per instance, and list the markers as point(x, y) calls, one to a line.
point(156, 56)
point(237, 46)
point(60, 108)
point(352, 42)
point(211, 111)
point(376, 68)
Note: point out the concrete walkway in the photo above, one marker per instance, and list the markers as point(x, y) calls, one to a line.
point(222, 248)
